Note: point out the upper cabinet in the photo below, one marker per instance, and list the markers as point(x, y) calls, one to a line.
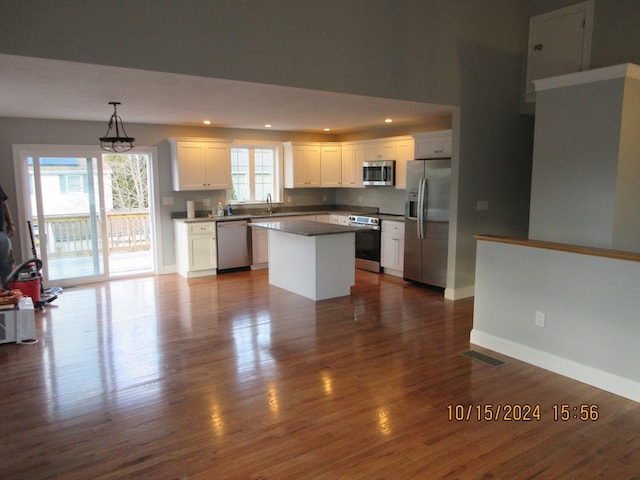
point(301, 165)
point(380, 150)
point(399, 149)
point(200, 164)
point(404, 153)
point(339, 164)
point(352, 158)
point(331, 165)
point(559, 43)
point(433, 144)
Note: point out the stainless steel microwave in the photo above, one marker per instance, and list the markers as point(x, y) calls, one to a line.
point(379, 173)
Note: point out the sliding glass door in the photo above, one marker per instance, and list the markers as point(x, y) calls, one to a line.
point(67, 214)
point(86, 216)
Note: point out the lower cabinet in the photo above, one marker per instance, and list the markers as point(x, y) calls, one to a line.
point(260, 247)
point(392, 247)
point(338, 219)
point(260, 236)
point(196, 253)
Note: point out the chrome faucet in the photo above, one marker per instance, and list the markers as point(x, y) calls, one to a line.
point(269, 206)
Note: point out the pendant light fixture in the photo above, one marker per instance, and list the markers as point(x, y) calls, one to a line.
point(116, 139)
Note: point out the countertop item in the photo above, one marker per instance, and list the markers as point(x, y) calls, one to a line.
point(307, 227)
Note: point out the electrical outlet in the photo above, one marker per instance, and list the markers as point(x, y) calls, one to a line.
point(206, 202)
point(482, 205)
point(540, 317)
point(324, 198)
point(167, 200)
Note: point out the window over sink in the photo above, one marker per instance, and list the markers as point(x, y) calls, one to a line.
point(254, 173)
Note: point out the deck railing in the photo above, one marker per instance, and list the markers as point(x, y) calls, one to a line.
point(75, 235)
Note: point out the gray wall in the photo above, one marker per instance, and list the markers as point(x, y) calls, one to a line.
point(463, 53)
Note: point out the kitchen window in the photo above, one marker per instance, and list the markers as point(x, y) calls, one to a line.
point(253, 173)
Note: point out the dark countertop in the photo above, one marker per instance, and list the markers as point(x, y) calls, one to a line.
point(261, 217)
point(307, 228)
point(257, 217)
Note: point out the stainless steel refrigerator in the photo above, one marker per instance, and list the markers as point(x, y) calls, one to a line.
point(426, 221)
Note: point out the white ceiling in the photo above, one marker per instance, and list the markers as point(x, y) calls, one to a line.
point(53, 89)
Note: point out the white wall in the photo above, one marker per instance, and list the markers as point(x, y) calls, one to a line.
point(585, 187)
point(574, 171)
point(591, 306)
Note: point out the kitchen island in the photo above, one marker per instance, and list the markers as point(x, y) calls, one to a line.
point(312, 259)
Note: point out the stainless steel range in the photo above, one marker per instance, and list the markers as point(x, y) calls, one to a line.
point(367, 241)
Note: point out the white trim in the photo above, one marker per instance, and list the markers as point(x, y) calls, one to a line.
point(200, 273)
point(155, 215)
point(393, 272)
point(458, 293)
point(167, 269)
point(592, 376)
point(626, 70)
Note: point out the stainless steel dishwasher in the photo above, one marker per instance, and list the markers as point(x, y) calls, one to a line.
point(234, 244)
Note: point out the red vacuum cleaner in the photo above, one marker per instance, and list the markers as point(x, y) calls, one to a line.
point(27, 277)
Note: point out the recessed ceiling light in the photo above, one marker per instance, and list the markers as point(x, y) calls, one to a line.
point(388, 120)
point(268, 125)
point(207, 122)
point(327, 129)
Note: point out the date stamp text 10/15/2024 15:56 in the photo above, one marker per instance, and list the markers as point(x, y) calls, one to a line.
point(515, 412)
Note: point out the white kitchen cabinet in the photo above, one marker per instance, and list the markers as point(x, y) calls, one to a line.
point(404, 152)
point(380, 150)
point(196, 253)
point(338, 219)
point(352, 158)
point(331, 165)
point(392, 247)
point(301, 165)
point(260, 247)
point(260, 236)
point(200, 164)
point(433, 144)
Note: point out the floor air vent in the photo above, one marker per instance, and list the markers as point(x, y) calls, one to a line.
point(481, 357)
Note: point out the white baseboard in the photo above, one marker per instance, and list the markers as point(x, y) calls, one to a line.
point(458, 293)
point(610, 382)
point(391, 271)
point(166, 270)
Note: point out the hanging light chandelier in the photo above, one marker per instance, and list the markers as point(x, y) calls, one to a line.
point(116, 139)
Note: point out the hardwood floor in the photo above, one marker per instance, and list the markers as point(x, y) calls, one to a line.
point(228, 377)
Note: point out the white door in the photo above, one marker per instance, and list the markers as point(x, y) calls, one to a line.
point(559, 43)
point(72, 199)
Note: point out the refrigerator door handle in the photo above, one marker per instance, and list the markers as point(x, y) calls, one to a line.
point(425, 206)
point(421, 187)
